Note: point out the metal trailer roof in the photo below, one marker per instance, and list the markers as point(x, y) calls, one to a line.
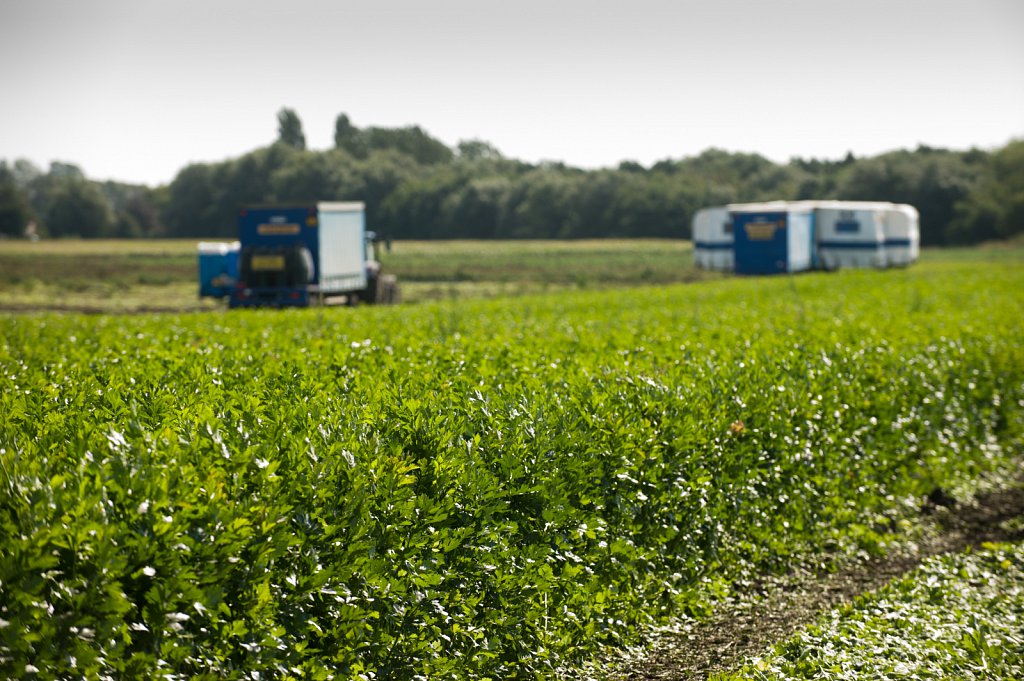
point(341, 206)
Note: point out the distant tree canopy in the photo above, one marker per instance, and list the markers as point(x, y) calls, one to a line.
point(416, 187)
point(64, 203)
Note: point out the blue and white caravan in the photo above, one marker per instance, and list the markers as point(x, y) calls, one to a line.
point(791, 236)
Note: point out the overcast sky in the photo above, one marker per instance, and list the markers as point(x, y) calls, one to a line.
point(134, 90)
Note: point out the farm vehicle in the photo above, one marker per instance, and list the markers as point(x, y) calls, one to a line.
point(295, 256)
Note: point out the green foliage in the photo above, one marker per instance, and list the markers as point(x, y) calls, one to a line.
point(311, 177)
point(192, 209)
point(78, 207)
point(73, 204)
point(416, 187)
point(957, 617)
point(933, 180)
point(346, 135)
point(410, 141)
point(289, 129)
point(15, 209)
point(994, 207)
point(472, 490)
point(477, 150)
point(136, 213)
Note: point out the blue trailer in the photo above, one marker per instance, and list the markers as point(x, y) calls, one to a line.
point(772, 238)
point(218, 269)
point(297, 255)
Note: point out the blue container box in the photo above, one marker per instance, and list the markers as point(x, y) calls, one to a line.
point(773, 238)
point(218, 269)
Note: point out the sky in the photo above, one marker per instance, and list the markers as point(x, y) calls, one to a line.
point(135, 90)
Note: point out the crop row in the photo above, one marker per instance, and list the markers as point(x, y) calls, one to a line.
point(956, 617)
point(480, 490)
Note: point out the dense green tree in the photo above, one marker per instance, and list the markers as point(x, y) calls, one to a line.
point(289, 129)
point(311, 176)
point(932, 180)
point(1008, 172)
point(15, 208)
point(135, 211)
point(596, 204)
point(380, 175)
point(249, 178)
point(41, 187)
point(203, 200)
point(994, 206)
point(415, 209)
point(349, 137)
point(477, 209)
point(411, 141)
point(25, 175)
point(776, 181)
point(138, 215)
point(542, 204)
point(477, 150)
point(725, 168)
point(414, 186)
point(60, 170)
point(191, 208)
point(77, 207)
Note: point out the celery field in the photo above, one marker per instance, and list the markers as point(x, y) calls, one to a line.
point(475, 489)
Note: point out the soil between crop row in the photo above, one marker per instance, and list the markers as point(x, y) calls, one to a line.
point(734, 634)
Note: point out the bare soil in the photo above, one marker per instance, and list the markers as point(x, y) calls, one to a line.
point(773, 611)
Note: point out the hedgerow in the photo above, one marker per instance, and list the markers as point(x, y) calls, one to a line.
point(474, 489)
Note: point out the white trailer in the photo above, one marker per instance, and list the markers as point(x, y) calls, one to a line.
point(342, 248)
point(850, 233)
point(902, 235)
point(712, 239)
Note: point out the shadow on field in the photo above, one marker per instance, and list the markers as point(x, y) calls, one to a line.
point(773, 613)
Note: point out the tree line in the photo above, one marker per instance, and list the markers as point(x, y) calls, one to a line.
point(416, 187)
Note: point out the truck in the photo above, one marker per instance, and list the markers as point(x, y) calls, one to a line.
point(297, 255)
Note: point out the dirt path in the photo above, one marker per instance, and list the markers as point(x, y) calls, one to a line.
point(723, 642)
